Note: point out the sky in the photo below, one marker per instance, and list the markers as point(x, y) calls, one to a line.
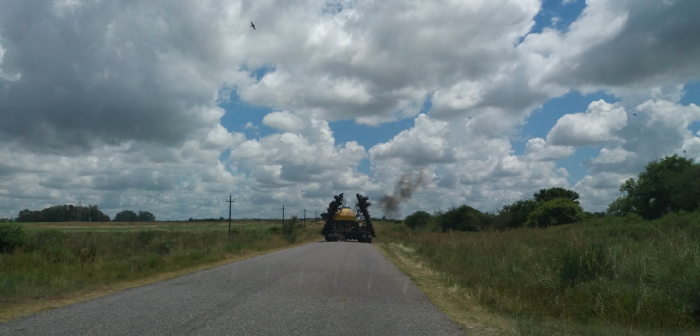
point(169, 106)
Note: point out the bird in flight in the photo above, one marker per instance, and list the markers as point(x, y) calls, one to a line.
point(634, 113)
point(252, 25)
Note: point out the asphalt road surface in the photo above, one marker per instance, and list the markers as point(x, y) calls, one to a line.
point(338, 288)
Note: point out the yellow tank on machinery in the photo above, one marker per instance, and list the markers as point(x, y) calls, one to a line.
point(345, 214)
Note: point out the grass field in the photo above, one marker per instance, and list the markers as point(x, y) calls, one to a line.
point(138, 226)
point(611, 276)
point(56, 264)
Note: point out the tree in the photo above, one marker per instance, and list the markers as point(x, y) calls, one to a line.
point(64, 213)
point(126, 216)
point(145, 216)
point(11, 237)
point(555, 212)
point(545, 195)
point(464, 218)
point(517, 212)
point(419, 219)
point(668, 185)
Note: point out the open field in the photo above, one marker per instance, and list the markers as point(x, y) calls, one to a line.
point(56, 266)
point(611, 276)
point(240, 224)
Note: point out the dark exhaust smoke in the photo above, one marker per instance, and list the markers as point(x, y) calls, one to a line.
point(404, 189)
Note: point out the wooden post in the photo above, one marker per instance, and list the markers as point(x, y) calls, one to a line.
point(230, 201)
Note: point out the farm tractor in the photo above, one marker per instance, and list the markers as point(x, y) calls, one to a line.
point(344, 224)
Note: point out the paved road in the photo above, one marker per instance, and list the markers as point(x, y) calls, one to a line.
point(340, 288)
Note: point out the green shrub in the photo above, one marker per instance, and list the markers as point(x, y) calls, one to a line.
point(581, 264)
point(289, 230)
point(11, 236)
point(233, 247)
point(145, 237)
point(516, 214)
point(418, 220)
point(464, 218)
point(555, 212)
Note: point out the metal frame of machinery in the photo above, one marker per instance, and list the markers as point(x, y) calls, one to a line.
point(344, 224)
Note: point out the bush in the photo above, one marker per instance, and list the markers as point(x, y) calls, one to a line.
point(581, 264)
point(289, 230)
point(555, 212)
point(145, 237)
point(516, 214)
point(11, 236)
point(464, 218)
point(418, 220)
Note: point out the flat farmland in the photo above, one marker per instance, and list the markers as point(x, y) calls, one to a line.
point(239, 224)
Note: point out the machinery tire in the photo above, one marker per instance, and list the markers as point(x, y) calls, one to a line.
point(361, 238)
point(369, 239)
point(336, 237)
point(329, 237)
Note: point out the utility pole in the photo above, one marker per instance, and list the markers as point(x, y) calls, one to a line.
point(230, 201)
point(304, 217)
point(282, 214)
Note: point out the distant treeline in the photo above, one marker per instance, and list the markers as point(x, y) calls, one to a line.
point(668, 185)
point(130, 216)
point(71, 213)
point(64, 213)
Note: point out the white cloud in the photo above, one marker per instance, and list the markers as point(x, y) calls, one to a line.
point(284, 121)
point(126, 95)
point(595, 127)
point(423, 144)
point(537, 149)
point(615, 155)
point(598, 191)
point(473, 169)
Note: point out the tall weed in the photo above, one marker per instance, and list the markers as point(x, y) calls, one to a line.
point(52, 262)
point(613, 269)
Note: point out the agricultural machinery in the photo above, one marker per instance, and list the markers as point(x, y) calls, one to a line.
point(344, 224)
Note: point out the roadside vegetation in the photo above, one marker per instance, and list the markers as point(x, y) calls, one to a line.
point(51, 263)
point(550, 268)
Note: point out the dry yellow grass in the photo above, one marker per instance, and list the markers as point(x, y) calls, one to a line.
point(33, 306)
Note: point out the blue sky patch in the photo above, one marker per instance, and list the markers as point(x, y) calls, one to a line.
point(239, 113)
point(556, 14)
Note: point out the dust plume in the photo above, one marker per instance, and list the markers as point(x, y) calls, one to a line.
point(404, 189)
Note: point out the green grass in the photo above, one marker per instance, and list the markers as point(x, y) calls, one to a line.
point(159, 227)
point(622, 272)
point(54, 262)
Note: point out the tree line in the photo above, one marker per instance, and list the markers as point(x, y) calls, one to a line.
point(71, 213)
point(671, 184)
point(64, 213)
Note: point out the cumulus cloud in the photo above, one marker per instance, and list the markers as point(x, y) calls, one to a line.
point(612, 44)
point(610, 156)
point(481, 171)
point(284, 121)
point(537, 149)
point(594, 127)
point(116, 102)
